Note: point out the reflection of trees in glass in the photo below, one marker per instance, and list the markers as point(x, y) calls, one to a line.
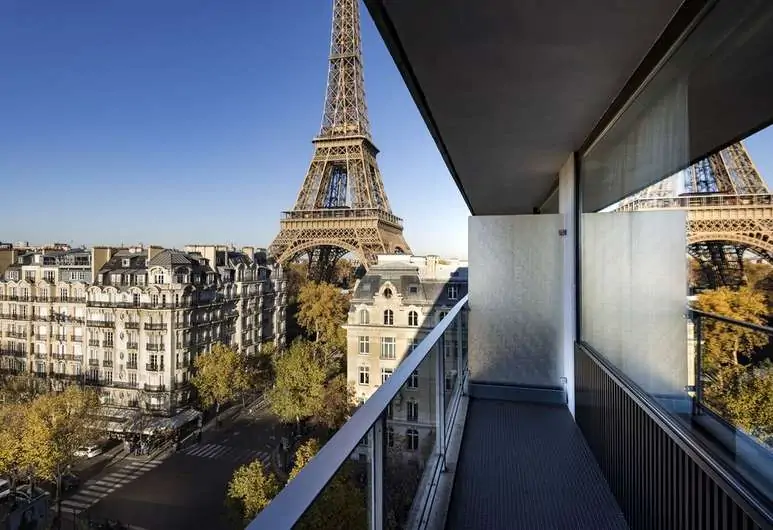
point(403, 470)
point(734, 386)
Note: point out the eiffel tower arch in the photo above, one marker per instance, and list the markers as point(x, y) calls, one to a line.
point(729, 211)
point(342, 207)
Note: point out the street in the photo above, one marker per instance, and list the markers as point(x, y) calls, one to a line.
point(185, 489)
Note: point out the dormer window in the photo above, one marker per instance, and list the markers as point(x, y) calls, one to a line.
point(159, 278)
point(126, 263)
point(453, 292)
point(413, 289)
point(387, 293)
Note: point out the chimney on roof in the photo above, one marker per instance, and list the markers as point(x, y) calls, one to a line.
point(153, 250)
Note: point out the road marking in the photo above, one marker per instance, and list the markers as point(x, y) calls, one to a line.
point(99, 487)
point(235, 454)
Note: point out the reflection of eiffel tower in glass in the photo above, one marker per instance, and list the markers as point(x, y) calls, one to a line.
point(342, 206)
point(730, 211)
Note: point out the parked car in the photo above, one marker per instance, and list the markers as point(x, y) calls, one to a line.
point(89, 451)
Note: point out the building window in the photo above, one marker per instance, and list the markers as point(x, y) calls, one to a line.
point(449, 382)
point(132, 378)
point(413, 380)
point(412, 410)
point(413, 289)
point(364, 316)
point(412, 439)
point(389, 318)
point(412, 344)
point(441, 316)
point(136, 298)
point(154, 299)
point(364, 375)
point(386, 373)
point(388, 349)
point(387, 293)
point(390, 411)
point(159, 278)
point(390, 436)
point(413, 318)
point(364, 345)
point(453, 292)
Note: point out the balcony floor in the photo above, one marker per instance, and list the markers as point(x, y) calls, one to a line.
point(527, 466)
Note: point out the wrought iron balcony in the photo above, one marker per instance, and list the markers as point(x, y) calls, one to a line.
point(107, 363)
point(17, 335)
point(131, 365)
point(155, 326)
point(94, 362)
point(132, 325)
point(154, 388)
point(151, 367)
point(93, 342)
point(60, 338)
point(107, 343)
point(132, 345)
point(76, 338)
point(101, 323)
point(154, 347)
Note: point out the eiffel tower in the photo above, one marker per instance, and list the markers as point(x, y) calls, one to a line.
point(342, 206)
point(729, 211)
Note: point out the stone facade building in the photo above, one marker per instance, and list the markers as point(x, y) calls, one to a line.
point(393, 307)
point(130, 321)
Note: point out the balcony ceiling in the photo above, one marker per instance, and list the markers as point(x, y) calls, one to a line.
point(510, 88)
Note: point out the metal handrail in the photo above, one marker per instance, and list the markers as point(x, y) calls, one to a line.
point(749, 325)
point(299, 494)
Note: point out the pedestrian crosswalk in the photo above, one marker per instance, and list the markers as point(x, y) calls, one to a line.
point(97, 488)
point(235, 454)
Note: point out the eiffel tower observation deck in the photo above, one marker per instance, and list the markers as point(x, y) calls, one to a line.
point(342, 207)
point(729, 212)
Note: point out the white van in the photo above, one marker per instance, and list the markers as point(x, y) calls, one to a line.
point(5, 488)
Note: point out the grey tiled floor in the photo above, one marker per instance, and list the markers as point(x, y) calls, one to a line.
point(527, 466)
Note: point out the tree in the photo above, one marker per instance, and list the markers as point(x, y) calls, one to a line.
point(13, 420)
point(744, 396)
point(250, 490)
point(728, 344)
point(337, 403)
point(21, 388)
point(57, 425)
point(260, 367)
point(299, 384)
point(322, 310)
point(341, 505)
point(221, 375)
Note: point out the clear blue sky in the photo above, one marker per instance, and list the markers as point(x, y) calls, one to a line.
point(179, 121)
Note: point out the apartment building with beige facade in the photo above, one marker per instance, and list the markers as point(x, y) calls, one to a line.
point(393, 307)
point(130, 321)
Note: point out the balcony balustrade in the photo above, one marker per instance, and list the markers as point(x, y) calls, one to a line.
point(107, 343)
point(76, 338)
point(101, 323)
point(150, 367)
point(94, 362)
point(154, 347)
point(93, 342)
point(132, 345)
point(16, 335)
point(41, 337)
point(107, 363)
point(154, 388)
point(155, 326)
point(60, 338)
point(132, 325)
point(131, 365)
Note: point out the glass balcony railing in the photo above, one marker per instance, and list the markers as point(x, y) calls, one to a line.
point(390, 454)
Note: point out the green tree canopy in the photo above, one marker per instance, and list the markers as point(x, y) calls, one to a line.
point(299, 385)
point(221, 375)
point(337, 403)
point(250, 490)
point(21, 388)
point(322, 310)
point(342, 505)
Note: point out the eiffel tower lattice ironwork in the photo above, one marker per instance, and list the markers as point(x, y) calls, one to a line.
point(342, 206)
point(729, 211)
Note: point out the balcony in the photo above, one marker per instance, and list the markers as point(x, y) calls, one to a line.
point(158, 326)
point(150, 367)
point(154, 388)
point(107, 343)
point(131, 365)
point(107, 363)
point(132, 345)
point(16, 335)
point(154, 347)
point(60, 338)
point(516, 457)
point(101, 323)
point(41, 337)
point(132, 325)
point(94, 363)
point(93, 342)
point(76, 338)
